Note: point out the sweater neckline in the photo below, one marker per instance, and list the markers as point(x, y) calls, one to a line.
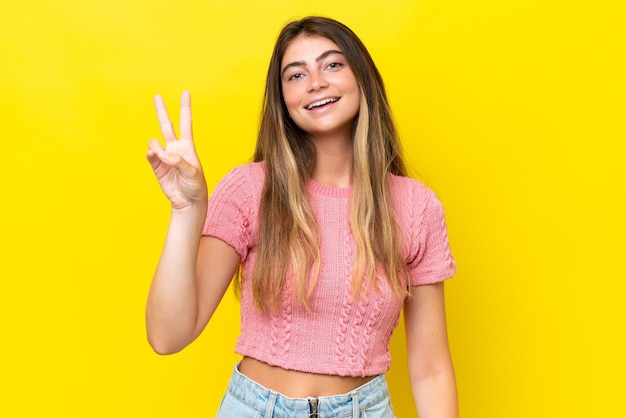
point(320, 189)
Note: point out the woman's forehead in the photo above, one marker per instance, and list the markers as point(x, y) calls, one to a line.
point(307, 48)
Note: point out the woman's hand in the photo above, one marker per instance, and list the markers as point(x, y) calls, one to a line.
point(177, 167)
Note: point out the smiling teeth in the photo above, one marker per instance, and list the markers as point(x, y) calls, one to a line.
point(320, 103)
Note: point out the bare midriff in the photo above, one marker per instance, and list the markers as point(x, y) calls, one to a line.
point(295, 384)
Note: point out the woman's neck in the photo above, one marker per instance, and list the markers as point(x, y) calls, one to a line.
point(333, 165)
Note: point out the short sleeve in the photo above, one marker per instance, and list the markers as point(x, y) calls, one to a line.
point(433, 261)
point(229, 211)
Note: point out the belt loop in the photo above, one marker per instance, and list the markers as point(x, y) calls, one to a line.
point(271, 402)
point(355, 405)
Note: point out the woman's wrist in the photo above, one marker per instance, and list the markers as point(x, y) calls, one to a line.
point(192, 214)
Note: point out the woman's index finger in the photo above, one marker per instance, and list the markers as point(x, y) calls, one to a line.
point(185, 116)
point(164, 119)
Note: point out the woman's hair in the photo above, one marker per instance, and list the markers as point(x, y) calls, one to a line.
point(288, 233)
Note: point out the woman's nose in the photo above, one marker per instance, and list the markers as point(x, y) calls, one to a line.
point(317, 81)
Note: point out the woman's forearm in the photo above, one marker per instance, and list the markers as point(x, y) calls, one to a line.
point(172, 307)
point(436, 395)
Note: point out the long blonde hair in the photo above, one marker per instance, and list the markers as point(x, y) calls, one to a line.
point(288, 230)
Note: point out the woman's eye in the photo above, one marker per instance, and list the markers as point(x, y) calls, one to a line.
point(335, 65)
point(295, 76)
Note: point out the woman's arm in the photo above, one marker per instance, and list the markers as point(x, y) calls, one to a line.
point(185, 294)
point(193, 272)
point(430, 366)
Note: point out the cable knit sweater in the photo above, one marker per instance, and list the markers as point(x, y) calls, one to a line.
point(339, 336)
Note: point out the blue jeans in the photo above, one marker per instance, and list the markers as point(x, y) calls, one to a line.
point(247, 399)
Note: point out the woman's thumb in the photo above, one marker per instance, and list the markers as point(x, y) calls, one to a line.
point(179, 163)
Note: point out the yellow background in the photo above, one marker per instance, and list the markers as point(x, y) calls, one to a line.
point(513, 111)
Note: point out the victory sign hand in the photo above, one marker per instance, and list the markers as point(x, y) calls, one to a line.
point(176, 166)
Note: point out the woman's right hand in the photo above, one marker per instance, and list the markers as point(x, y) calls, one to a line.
point(176, 166)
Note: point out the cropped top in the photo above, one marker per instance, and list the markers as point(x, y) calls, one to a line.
point(338, 335)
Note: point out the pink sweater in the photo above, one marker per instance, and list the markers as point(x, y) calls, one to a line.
point(339, 336)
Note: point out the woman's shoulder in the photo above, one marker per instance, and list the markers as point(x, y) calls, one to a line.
point(249, 176)
point(413, 198)
point(254, 170)
point(243, 183)
point(409, 188)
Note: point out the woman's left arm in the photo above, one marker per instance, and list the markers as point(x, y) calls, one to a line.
point(430, 365)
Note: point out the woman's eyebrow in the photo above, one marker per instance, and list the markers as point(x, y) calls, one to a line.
point(303, 64)
point(327, 53)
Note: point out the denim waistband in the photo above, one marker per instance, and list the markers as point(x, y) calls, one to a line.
point(263, 399)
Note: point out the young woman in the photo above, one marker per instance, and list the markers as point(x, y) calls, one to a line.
point(331, 237)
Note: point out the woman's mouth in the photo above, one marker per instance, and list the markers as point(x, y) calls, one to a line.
point(321, 103)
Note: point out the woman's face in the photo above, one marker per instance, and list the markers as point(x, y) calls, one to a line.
point(319, 87)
